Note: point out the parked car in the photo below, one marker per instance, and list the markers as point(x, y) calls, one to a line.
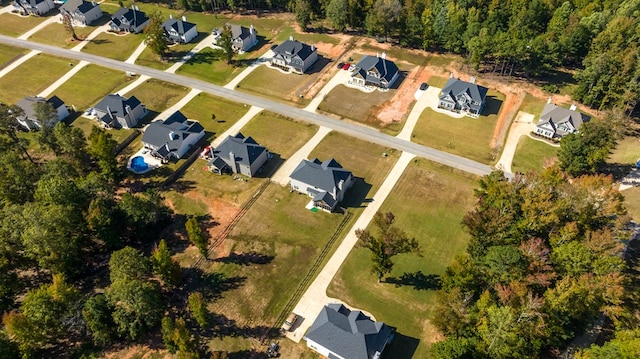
point(346, 66)
point(352, 67)
point(424, 86)
point(340, 64)
point(290, 322)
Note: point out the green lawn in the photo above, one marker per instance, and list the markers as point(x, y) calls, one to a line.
point(55, 34)
point(90, 85)
point(627, 151)
point(438, 81)
point(467, 137)
point(117, 47)
point(86, 125)
point(532, 105)
point(632, 202)
point(208, 65)
point(531, 155)
point(397, 54)
point(33, 76)
point(226, 113)
point(8, 54)
point(359, 106)
point(271, 83)
point(429, 202)
point(306, 37)
point(16, 25)
point(158, 95)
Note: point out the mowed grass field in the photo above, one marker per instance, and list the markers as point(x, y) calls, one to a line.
point(90, 85)
point(355, 105)
point(55, 34)
point(9, 53)
point(158, 95)
point(429, 203)
point(268, 82)
point(33, 76)
point(16, 25)
point(626, 152)
point(532, 155)
point(632, 202)
point(226, 113)
point(86, 125)
point(467, 137)
point(208, 65)
point(117, 47)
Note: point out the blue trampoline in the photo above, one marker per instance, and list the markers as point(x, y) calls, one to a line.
point(138, 164)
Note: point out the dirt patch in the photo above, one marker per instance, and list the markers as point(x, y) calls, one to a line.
point(507, 112)
point(396, 109)
point(335, 52)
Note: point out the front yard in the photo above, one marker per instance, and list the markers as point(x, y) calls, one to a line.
point(467, 137)
point(16, 25)
point(158, 95)
point(114, 46)
point(271, 83)
point(208, 65)
point(532, 155)
point(8, 54)
point(90, 85)
point(55, 34)
point(204, 106)
point(429, 202)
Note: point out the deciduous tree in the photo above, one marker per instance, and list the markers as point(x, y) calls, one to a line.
point(583, 152)
point(198, 309)
point(226, 43)
point(164, 266)
point(154, 35)
point(197, 236)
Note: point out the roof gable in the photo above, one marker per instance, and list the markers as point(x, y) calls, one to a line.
point(293, 48)
point(456, 87)
point(245, 149)
point(378, 67)
point(322, 175)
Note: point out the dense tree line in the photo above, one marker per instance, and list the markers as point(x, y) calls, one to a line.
point(544, 261)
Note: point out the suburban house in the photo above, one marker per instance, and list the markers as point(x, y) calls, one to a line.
point(115, 111)
point(326, 182)
point(294, 56)
point(180, 31)
point(556, 122)
point(462, 96)
point(128, 20)
point(81, 12)
point(375, 71)
point(30, 120)
point(173, 137)
point(33, 7)
point(341, 333)
point(238, 154)
point(242, 38)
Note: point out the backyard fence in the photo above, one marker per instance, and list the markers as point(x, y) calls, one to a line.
point(122, 145)
point(178, 172)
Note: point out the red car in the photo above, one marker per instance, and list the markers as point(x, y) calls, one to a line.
point(346, 66)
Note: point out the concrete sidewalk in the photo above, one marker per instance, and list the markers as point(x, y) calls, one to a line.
point(315, 297)
point(49, 90)
point(281, 176)
point(206, 42)
point(38, 27)
point(259, 61)
point(18, 62)
point(428, 98)
point(233, 130)
point(91, 36)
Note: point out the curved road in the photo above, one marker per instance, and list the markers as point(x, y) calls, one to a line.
point(357, 131)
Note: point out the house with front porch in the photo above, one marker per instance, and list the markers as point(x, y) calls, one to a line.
point(33, 7)
point(115, 111)
point(172, 138)
point(242, 38)
point(81, 12)
point(294, 56)
point(375, 71)
point(556, 122)
point(325, 182)
point(128, 20)
point(238, 154)
point(180, 31)
point(462, 96)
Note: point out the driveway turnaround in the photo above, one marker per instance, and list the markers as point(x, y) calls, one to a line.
point(281, 176)
point(315, 297)
point(361, 132)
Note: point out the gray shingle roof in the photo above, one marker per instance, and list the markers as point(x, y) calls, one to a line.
point(556, 116)
point(323, 175)
point(134, 17)
point(239, 32)
point(117, 104)
point(291, 48)
point(455, 87)
point(245, 149)
point(181, 27)
point(349, 333)
point(386, 68)
point(171, 132)
point(82, 6)
point(26, 104)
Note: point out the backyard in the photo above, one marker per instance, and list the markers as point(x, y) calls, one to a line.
point(429, 202)
point(453, 135)
point(34, 75)
point(532, 155)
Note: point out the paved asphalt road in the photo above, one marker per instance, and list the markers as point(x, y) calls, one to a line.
point(361, 132)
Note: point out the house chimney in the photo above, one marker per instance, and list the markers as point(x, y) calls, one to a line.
point(384, 55)
point(93, 3)
point(377, 54)
point(451, 74)
point(573, 107)
point(172, 136)
point(473, 80)
point(170, 16)
point(184, 18)
point(109, 112)
point(252, 30)
point(549, 99)
point(291, 38)
point(232, 159)
point(313, 47)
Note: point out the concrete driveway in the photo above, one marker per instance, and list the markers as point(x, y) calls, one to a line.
point(521, 126)
point(427, 98)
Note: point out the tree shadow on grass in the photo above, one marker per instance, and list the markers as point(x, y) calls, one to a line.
point(100, 41)
point(618, 170)
point(203, 57)
point(246, 259)
point(213, 285)
point(417, 280)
